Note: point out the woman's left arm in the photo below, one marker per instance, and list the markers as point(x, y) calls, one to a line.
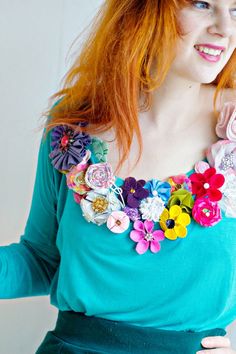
point(221, 345)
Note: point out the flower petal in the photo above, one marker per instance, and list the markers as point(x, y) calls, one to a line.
point(175, 211)
point(136, 235)
point(155, 246)
point(149, 225)
point(142, 246)
point(170, 234)
point(139, 225)
point(180, 230)
point(217, 180)
point(183, 219)
point(158, 235)
point(214, 195)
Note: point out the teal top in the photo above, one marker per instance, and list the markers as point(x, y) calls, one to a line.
point(189, 285)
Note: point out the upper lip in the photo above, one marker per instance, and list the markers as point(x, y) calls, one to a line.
point(212, 46)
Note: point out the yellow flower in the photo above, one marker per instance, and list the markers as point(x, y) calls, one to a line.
point(173, 222)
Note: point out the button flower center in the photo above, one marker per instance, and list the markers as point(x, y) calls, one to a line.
point(99, 205)
point(206, 185)
point(132, 190)
point(170, 223)
point(64, 141)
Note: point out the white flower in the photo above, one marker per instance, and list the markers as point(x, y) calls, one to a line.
point(98, 205)
point(228, 201)
point(152, 208)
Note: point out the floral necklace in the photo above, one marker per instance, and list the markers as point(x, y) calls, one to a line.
point(155, 210)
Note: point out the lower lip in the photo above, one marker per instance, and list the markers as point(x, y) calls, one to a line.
point(208, 57)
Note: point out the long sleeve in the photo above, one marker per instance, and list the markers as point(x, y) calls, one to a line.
point(27, 268)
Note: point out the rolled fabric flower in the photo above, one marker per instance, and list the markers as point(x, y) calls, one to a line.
point(118, 222)
point(99, 175)
point(206, 213)
point(69, 147)
point(222, 156)
point(75, 179)
point(226, 124)
point(180, 182)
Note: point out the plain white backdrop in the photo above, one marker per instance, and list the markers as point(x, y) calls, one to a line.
point(35, 37)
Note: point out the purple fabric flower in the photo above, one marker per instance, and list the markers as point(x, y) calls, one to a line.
point(146, 237)
point(132, 213)
point(69, 147)
point(133, 191)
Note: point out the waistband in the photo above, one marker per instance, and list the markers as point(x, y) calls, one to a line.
point(106, 336)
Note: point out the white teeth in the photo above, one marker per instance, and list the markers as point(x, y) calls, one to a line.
point(210, 51)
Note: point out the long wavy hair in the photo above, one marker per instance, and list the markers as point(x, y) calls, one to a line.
point(113, 70)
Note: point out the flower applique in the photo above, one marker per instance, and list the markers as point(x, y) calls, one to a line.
point(149, 211)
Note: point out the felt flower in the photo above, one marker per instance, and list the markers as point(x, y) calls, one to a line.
point(207, 184)
point(159, 188)
point(99, 175)
point(201, 166)
point(100, 149)
point(226, 124)
point(228, 201)
point(179, 182)
point(206, 212)
point(133, 213)
point(118, 222)
point(98, 204)
point(69, 147)
point(183, 198)
point(151, 208)
point(174, 222)
point(133, 191)
point(222, 156)
point(75, 179)
point(146, 237)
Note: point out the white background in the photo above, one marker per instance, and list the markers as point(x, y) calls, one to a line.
point(35, 37)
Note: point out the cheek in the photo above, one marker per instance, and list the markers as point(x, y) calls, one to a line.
point(187, 22)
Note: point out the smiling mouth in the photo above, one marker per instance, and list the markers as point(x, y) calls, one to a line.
point(209, 51)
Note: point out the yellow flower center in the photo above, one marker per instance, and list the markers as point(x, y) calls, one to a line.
point(132, 190)
point(99, 205)
point(118, 222)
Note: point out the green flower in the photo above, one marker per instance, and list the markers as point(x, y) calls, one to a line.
point(183, 198)
point(100, 149)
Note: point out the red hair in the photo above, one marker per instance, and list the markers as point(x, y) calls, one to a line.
point(104, 84)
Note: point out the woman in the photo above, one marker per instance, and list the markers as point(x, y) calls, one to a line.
point(140, 260)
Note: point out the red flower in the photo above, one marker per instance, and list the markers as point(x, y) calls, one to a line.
point(206, 184)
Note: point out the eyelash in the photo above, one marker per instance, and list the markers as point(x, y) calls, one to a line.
point(195, 3)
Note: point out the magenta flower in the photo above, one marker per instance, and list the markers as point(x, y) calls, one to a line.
point(205, 212)
point(146, 237)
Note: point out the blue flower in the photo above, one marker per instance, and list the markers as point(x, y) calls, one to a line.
point(69, 147)
point(159, 188)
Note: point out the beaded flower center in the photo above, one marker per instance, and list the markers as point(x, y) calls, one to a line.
point(148, 237)
point(170, 223)
point(206, 211)
point(99, 205)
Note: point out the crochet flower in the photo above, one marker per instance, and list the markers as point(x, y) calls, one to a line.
point(205, 212)
point(151, 208)
point(133, 191)
point(97, 205)
point(145, 237)
point(222, 156)
point(174, 222)
point(99, 175)
point(118, 222)
point(206, 184)
point(69, 147)
point(183, 198)
point(228, 201)
point(159, 188)
point(226, 125)
point(179, 182)
point(100, 149)
point(132, 213)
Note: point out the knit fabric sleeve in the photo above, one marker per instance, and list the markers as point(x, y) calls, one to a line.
point(28, 267)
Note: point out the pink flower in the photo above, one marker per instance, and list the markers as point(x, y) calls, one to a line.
point(226, 125)
point(205, 212)
point(179, 182)
point(118, 222)
point(75, 178)
point(222, 156)
point(99, 175)
point(146, 237)
point(201, 166)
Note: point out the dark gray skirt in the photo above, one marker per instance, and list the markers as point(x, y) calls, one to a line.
point(77, 333)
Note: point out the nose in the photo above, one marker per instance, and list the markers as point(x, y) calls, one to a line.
point(222, 24)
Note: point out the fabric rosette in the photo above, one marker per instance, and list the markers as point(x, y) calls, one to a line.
point(98, 204)
point(159, 188)
point(69, 147)
point(228, 201)
point(226, 124)
point(99, 175)
point(222, 156)
point(179, 182)
point(205, 212)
